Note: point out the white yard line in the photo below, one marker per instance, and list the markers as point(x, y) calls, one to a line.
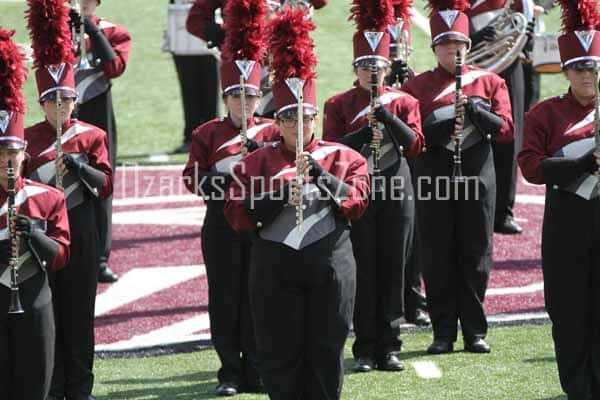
point(420, 21)
point(503, 291)
point(517, 317)
point(531, 199)
point(179, 332)
point(143, 282)
point(426, 369)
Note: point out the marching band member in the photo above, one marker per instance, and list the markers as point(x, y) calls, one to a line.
point(481, 14)
point(216, 147)
point(415, 304)
point(455, 219)
point(80, 164)
point(107, 51)
point(559, 150)
point(42, 236)
point(382, 238)
point(297, 197)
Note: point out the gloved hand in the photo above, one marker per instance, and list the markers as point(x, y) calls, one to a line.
point(488, 34)
point(25, 226)
point(75, 19)
point(90, 27)
point(215, 35)
point(252, 145)
point(399, 72)
point(315, 168)
point(71, 163)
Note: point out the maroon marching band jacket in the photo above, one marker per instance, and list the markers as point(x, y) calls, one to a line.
point(435, 90)
point(79, 138)
point(43, 203)
point(95, 82)
point(556, 126)
point(203, 12)
point(274, 166)
point(216, 146)
point(347, 112)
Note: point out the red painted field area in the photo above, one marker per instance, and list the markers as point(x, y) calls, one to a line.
point(162, 294)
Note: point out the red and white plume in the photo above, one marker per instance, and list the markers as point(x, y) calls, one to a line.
point(291, 46)
point(48, 23)
point(245, 30)
point(402, 9)
point(12, 102)
point(580, 41)
point(579, 15)
point(12, 74)
point(293, 56)
point(372, 15)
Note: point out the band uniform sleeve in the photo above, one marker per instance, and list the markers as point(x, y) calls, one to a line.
point(99, 160)
point(333, 125)
point(235, 210)
point(58, 230)
point(501, 107)
point(411, 116)
point(357, 178)
point(201, 14)
point(533, 151)
point(198, 160)
point(120, 40)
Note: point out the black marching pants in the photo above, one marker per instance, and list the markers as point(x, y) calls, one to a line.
point(505, 154)
point(199, 84)
point(27, 342)
point(571, 266)
point(74, 298)
point(381, 240)
point(302, 308)
point(99, 112)
point(227, 259)
point(455, 224)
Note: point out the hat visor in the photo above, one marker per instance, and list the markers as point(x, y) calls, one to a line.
point(70, 94)
point(12, 144)
point(250, 91)
point(583, 64)
point(364, 62)
point(291, 113)
point(451, 37)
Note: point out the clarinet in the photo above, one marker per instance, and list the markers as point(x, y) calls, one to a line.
point(374, 146)
point(299, 151)
point(13, 263)
point(244, 130)
point(596, 110)
point(457, 175)
point(58, 147)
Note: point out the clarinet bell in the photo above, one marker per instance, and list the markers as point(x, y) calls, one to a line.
point(15, 306)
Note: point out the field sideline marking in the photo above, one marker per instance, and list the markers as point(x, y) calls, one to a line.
point(170, 334)
point(503, 291)
point(143, 282)
point(426, 369)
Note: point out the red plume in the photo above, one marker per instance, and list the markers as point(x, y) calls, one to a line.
point(244, 30)
point(402, 9)
point(12, 74)
point(291, 45)
point(48, 23)
point(372, 15)
point(438, 5)
point(579, 15)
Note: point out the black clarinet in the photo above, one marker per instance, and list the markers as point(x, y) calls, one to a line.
point(15, 299)
point(457, 175)
point(375, 154)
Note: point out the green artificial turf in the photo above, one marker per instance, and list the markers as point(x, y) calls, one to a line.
point(520, 367)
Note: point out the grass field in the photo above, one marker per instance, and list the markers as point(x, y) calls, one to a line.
point(147, 98)
point(520, 367)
